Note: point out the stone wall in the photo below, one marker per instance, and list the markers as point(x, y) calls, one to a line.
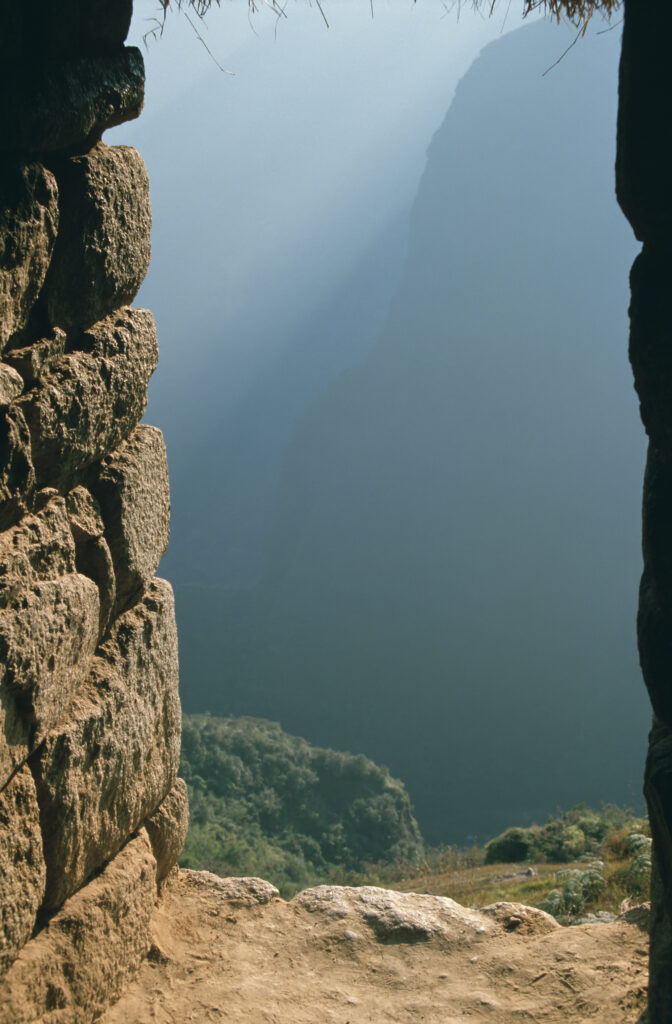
point(92, 814)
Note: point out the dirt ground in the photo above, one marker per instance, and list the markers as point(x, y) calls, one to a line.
point(231, 950)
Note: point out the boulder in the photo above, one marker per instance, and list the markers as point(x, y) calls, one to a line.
point(28, 225)
point(80, 962)
point(396, 916)
point(93, 554)
point(115, 759)
point(516, 917)
point(245, 891)
point(167, 828)
point(103, 245)
point(68, 104)
point(22, 871)
point(93, 398)
point(32, 361)
point(132, 488)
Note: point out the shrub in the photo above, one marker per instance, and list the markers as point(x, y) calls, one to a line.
point(512, 846)
point(579, 890)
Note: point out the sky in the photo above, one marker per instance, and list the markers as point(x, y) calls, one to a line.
point(318, 135)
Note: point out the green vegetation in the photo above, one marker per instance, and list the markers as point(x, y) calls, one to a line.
point(570, 836)
point(613, 868)
point(269, 804)
point(266, 803)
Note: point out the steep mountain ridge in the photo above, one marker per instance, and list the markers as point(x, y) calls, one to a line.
point(450, 581)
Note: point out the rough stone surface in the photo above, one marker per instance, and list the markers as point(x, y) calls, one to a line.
point(247, 892)
point(32, 555)
point(22, 871)
point(32, 361)
point(91, 400)
point(132, 488)
point(17, 473)
point(28, 225)
point(47, 639)
point(61, 105)
point(516, 917)
point(93, 554)
point(11, 384)
point(639, 915)
point(76, 966)
point(103, 246)
point(167, 828)
point(112, 763)
point(40, 547)
point(397, 916)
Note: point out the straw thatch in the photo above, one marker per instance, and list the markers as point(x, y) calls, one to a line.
point(577, 11)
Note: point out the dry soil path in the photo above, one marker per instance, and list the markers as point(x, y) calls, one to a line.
point(230, 950)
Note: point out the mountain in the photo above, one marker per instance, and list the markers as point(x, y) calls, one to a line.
point(450, 581)
point(268, 804)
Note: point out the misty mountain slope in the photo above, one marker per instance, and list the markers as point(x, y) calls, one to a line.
point(450, 582)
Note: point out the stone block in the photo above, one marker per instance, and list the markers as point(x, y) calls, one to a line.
point(47, 639)
point(39, 547)
point(32, 361)
point(92, 398)
point(68, 104)
point(104, 771)
point(93, 554)
point(22, 872)
point(132, 488)
point(80, 962)
point(39, 550)
point(17, 473)
point(103, 246)
point(28, 225)
point(167, 828)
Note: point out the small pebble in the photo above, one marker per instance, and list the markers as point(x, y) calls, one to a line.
point(350, 935)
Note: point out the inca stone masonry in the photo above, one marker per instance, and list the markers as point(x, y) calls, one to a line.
point(92, 814)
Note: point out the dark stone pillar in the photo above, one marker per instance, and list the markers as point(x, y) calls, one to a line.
point(644, 189)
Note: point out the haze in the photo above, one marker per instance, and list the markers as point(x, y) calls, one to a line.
point(405, 475)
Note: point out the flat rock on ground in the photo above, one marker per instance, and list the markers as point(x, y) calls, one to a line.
point(237, 953)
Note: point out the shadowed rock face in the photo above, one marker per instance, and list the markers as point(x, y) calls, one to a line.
point(28, 225)
point(643, 188)
point(89, 708)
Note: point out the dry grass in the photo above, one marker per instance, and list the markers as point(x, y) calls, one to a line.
point(579, 12)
